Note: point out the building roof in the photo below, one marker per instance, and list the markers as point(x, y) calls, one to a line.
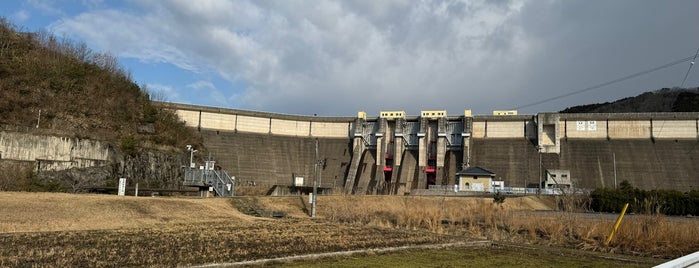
point(477, 171)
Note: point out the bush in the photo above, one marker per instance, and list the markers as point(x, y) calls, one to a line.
point(498, 198)
point(669, 202)
point(128, 145)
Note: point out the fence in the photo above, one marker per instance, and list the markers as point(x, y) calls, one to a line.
point(510, 190)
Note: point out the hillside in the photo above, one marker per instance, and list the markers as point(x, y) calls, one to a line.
point(55, 86)
point(51, 87)
point(663, 100)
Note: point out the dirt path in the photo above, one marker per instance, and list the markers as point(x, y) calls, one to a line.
point(308, 257)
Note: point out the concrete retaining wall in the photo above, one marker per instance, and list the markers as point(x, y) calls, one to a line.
point(53, 153)
point(76, 163)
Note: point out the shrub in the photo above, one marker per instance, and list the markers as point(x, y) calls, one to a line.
point(669, 202)
point(498, 198)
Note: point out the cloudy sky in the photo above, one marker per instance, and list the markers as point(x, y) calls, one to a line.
point(339, 57)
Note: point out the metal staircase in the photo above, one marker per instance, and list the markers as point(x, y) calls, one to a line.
point(207, 177)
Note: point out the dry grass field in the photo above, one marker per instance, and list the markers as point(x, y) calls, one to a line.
point(41, 212)
point(59, 230)
point(515, 222)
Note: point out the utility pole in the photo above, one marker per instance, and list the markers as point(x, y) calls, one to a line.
point(538, 149)
point(38, 119)
point(614, 160)
point(315, 183)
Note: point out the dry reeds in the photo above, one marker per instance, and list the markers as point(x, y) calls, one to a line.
point(481, 218)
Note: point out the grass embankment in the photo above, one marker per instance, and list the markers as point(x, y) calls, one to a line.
point(42, 212)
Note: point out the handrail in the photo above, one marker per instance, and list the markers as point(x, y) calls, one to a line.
point(222, 183)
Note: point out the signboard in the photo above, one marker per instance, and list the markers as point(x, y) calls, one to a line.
point(122, 186)
point(581, 126)
point(298, 181)
point(592, 125)
point(586, 125)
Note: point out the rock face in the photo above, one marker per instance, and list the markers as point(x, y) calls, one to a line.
point(73, 164)
point(151, 169)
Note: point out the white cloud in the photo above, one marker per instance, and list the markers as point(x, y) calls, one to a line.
point(209, 91)
point(46, 6)
point(20, 16)
point(334, 58)
point(162, 92)
point(126, 35)
point(202, 85)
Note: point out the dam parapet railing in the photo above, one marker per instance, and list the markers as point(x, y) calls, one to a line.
point(452, 190)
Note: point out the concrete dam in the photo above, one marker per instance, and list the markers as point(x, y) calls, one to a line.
point(394, 153)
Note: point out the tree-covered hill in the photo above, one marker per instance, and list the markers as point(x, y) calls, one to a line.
point(65, 88)
point(663, 100)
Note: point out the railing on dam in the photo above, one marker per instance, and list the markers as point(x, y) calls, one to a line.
point(436, 189)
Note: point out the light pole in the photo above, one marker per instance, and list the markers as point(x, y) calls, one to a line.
point(191, 155)
point(315, 183)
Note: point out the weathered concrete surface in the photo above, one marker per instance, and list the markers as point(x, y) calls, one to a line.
point(646, 164)
point(53, 153)
point(213, 118)
point(274, 159)
point(77, 163)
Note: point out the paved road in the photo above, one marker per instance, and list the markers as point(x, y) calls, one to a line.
point(604, 216)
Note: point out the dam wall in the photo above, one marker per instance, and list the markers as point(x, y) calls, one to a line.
point(222, 119)
point(630, 126)
point(399, 153)
point(263, 159)
point(662, 164)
